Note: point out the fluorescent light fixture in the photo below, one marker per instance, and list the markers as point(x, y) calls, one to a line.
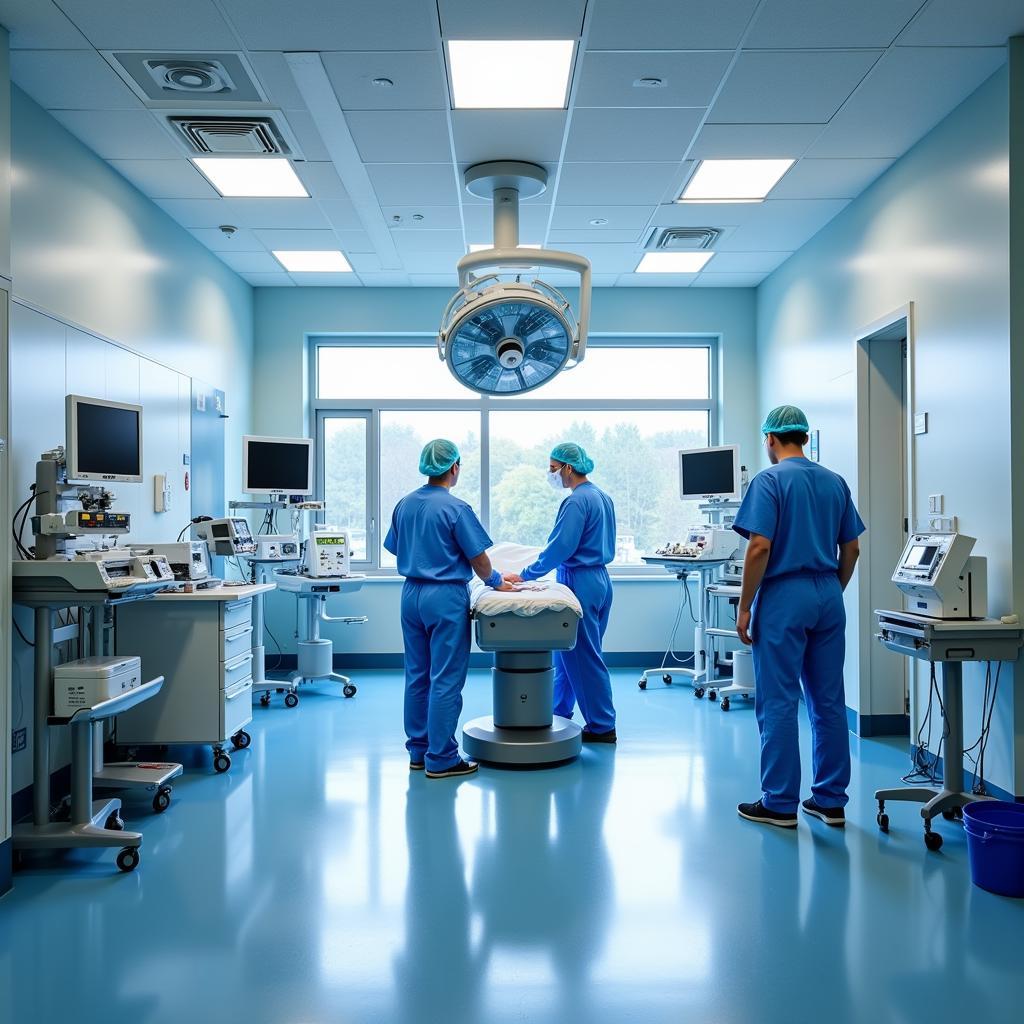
point(475, 247)
point(734, 181)
point(255, 177)
point(510, 74)
point(673, 262)
point(313, 261)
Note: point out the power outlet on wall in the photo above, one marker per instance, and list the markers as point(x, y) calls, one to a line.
point(19, 739)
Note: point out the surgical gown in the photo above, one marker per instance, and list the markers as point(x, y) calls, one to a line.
point(581, 544)
point(799, 627)
point(433, 536)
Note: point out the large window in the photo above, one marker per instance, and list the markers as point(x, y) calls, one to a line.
point(632, 403)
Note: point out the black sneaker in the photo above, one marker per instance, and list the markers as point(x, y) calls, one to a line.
point(599, 737)
point(458, 769)
point(758, 812)
point(834, 816)
point(416, 766)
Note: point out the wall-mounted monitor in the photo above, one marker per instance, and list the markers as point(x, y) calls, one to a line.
point(103, 440)
point(710, 473)
point(277, 465)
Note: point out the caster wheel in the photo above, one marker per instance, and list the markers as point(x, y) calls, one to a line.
point(349, 690)
point(933, 841)
point(221, 762)
point(265, 700)
point(162, 800)
point(725, 704)
point(241, 740)
point(883, 821)
point(667, 679)
point(953, 814)
point(642, 684)
point(128, 859)
point(114, 823)
point(713, 695)
point(291, 700)
point(699, 692)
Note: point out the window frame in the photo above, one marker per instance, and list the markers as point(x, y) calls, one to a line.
point(322, 409)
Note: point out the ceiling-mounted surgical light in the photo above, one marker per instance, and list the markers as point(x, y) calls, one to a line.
point(504, 337)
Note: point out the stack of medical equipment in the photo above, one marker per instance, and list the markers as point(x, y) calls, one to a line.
point(189, 561)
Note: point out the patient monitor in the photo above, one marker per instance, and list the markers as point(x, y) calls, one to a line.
point(941, 578)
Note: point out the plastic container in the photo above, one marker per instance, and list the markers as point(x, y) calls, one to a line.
point(995, 846)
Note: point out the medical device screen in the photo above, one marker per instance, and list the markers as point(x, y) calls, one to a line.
point(105, 441)
point(277, 465)
point(708, 472)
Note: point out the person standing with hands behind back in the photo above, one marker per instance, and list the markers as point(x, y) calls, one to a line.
point(802, 527)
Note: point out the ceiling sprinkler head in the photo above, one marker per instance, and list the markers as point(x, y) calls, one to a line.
point(649, 83)
point(599, 222)
point(228, 229)
point(383, 83)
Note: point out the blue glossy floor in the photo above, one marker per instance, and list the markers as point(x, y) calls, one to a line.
point(320, 882)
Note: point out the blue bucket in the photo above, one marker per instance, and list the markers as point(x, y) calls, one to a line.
point(995, 846)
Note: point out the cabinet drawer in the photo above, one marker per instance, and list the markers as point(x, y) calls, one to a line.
point(236, 643)
point(237, 670)
point(237, 707)
point(235, 613)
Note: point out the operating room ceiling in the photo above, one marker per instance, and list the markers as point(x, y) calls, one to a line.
point(843, 88)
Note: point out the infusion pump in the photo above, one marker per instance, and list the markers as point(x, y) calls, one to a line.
point(941, 578)
point(703, 544)
point(327, 554)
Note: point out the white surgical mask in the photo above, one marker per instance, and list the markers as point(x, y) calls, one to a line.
point(555, 480)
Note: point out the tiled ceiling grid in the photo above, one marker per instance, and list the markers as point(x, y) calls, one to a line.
point(844, 88)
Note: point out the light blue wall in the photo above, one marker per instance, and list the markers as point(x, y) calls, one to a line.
point(89, 248)
point(644, 610)
point(932, 231)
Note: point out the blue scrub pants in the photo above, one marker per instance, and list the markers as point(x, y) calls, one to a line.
point(581, 676)
point(799, 633)
point(435, 628)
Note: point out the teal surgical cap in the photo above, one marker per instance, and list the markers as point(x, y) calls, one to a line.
point(784, 419)
point(438, 457)
point(573, 455)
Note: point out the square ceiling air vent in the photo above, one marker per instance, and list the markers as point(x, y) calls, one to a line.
point(682, 239)
point(200, 77)
point(231, 136)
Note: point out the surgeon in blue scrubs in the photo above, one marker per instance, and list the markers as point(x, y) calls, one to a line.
point(439, 544)
point(803, 530)
point(581, 544)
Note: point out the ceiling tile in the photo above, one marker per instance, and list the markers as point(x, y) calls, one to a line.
point(418, 77)
point(617, 217)
point(354, 241)
point(790, 87)
point(753, 141)
point(120, 134)
point(400, 136)
point(628, 184)
point(610, 259)
point(251, 262)
point(386, 279)
point(782, 224)
point(339, 25)
point(955, 23)
point(433, 217)
point(294, 238)
point(638, 134)
point(606, 78)
point(327, 280)
point(342, 214)
point(71, 79)
point(302, 124)
point(669, 24)
point(151, 24)
point(321, 180)
point(590, 236)
point(277, 80)
point(746, 262)
point(907, 94)
point(829, 179)
point(166, 179)
point(411, 184)
point(434, 280)
point(200, 213)
point(533, 19)
point(655, 280)
point(427, 241)
point(279, 213)
point(808, 24)
point(269, 280)
point(707, 280)
point(40, 25)
point(531, 135)
point(365, 263)
point(430, 263)
point(242, 240)
point(699, 215)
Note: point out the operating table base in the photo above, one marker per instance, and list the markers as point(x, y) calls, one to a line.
point(482, 740)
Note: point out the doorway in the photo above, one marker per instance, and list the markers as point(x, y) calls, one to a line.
point(885, 497)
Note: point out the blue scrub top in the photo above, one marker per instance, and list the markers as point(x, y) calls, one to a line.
point(583, 535)
point(434, 535)
point(805, 510)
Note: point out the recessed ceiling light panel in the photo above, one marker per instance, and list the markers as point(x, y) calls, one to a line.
point(734, 181)
point(251, 177)
point(313, 261)
point(510, 74)
point(673, 262)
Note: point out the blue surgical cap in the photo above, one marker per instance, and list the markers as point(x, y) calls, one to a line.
point(438, 456)
point(784, 419)
point(573, 455)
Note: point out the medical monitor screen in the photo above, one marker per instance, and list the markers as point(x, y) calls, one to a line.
point(709, 472)
point(104, 440)
point(277, 465)
point(921, 556)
